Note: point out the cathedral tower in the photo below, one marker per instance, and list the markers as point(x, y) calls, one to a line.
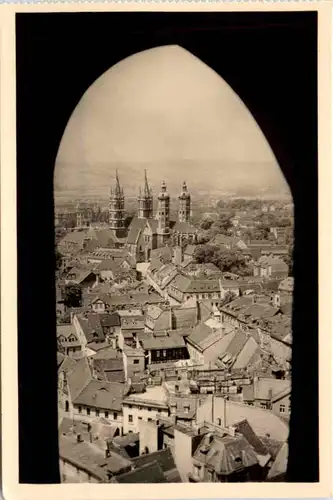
point(117, 209)
point(184, 211)
point(163, 214)
point(145, 201)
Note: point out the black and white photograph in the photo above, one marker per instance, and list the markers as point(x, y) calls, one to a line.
point(167, 247)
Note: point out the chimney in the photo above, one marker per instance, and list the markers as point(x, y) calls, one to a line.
point(231, 431)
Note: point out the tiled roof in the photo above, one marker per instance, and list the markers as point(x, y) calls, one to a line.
point(132, 322)
point(167, 341)
point(287, 284)
point(79, 377)
point(266, 388)
point(244, 428)
point(78, 275)
point(184, 317)
point(83, 455)
point(116, 463)
point(195, 285)
point(165, 275)
point(68, 365)
point(163, 457)
point(184, 227)
point(185, 407)
point(136, 226)
point(104, 395)
point(148, 473)
point(66, 331)
point(280, 464)
point(108, 265)
point(246, 354)
point(222, 452)
point(189, 250)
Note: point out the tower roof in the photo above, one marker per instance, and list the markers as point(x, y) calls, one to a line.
point(184, 193)
point(146, 193)
point(117, 190)
point(163, 194)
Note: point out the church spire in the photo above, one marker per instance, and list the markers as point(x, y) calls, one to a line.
point(145, 200)
point(117, 208)
point(146, 190)
point(118, 190)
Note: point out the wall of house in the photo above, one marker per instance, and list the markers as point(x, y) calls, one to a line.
point(183, 454)
point(165, 355)
point(230, 412)
point(195, 354)
point(114, 417)
point(148, 436)
point(282, 407)
point(79, 332)
point(140, 412)
point(71, 474)
point(106, 274)
point(133, 364)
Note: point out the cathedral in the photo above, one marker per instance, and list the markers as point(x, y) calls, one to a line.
point(147, 231)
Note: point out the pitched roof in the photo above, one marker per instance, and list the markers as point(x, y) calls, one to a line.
point(267, 388)
point(79, 274)
point(184, 227)
point(148, 473)
point(164, 459)
point(108, 265)
point(79, 377)
point(91, 326)
point(83, 455)
point(287, 284)
point(221, 453)
point(244, 428)
point(136, 226)
point(105, 395)
point(280, 464)
point(66, 331)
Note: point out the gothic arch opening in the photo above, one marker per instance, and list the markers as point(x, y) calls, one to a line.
point(165, 110)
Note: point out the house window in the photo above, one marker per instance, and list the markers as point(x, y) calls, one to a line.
point(157, 354)
point(186, 409)
point(149, 409)
point(130, 418)
point(209, 476)
point(88, 411)
point(282, 408)
point(263, 405)
point(219, 421)
point(164, 352)
point(106, 414)
point(139, 418)
point(97, 412)
point(150, 419)
point(115, 416)
point(79, 409)
point(136, 361)
point(130, 406)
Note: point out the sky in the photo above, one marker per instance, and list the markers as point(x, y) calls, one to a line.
point(164, 110)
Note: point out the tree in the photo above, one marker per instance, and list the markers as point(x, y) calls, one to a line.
point(73, 295)
point(206, 224)
point(229, 296)
point(226, 260)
